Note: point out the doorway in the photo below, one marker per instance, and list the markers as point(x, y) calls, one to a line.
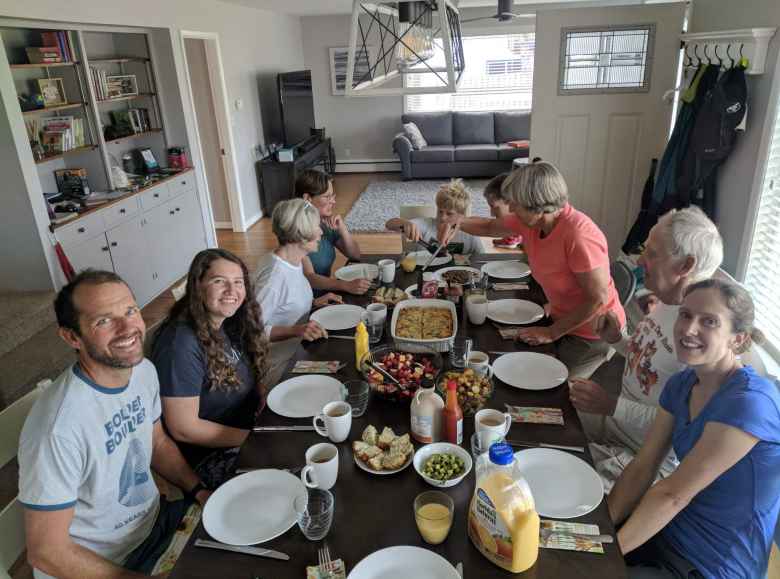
point(204, 76)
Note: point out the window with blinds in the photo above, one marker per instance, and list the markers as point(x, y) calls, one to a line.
point(498, 76)
point(762, 277)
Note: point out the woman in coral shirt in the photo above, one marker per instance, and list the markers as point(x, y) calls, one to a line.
point(568, 256)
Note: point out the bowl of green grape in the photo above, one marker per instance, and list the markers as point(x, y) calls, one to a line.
point(442, 464)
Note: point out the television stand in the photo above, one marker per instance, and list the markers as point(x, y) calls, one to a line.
point(278, 178)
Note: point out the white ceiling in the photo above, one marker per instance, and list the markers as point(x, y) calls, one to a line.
point(320, 7)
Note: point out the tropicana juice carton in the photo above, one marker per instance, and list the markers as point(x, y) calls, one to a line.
point(503, 523)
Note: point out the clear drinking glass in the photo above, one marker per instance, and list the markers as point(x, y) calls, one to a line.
point(375, 328)
point(459, 352)
point(315, 513)
point(433, 513)
point(358, 393)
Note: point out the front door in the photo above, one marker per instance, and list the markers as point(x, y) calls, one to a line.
point(603, 141)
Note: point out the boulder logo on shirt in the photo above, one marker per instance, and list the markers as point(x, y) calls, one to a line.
point(135, 484)
point(124, 423)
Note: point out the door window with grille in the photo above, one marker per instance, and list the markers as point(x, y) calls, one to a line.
point(606, 59)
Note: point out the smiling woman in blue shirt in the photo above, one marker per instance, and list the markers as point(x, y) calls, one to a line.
point(316, 187)
point(714, 517)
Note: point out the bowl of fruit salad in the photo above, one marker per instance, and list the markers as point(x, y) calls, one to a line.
point(410, 369)
point(474, 389)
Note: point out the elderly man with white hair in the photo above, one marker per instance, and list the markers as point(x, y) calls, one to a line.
point(684, 247)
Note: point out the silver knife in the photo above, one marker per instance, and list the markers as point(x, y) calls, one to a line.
point(246, 550)
point(545, 445)
point(341, 337)
point(281, 428)
point(592, 538)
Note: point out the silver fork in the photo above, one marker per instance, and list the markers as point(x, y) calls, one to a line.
point(325, 565)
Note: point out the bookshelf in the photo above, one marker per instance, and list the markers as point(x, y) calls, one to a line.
point(53, 109)
point(43, 65)
point(74, 151)
point(127, 98)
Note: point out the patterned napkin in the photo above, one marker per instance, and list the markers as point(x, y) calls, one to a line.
point(502, 287)
point(337, 571)
point(567, 542)
point(507, 333)
point(460, 259)
point(536, 414)
point(317, 367)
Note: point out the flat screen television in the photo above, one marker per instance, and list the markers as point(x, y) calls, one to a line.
point(296, 102)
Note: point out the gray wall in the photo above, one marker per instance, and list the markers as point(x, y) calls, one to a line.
point(736, 176)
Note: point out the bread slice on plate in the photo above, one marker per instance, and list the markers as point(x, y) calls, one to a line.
point(376, 462)
point(386, 439)
point(393, 461)
point(370, 435)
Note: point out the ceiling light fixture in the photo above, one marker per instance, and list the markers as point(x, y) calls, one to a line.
point(394, 39)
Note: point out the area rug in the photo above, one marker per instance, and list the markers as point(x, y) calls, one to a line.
point(382, 200)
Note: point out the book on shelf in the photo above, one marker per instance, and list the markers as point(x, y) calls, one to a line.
point(70, 130)
point(44, 54)
point(60, 39)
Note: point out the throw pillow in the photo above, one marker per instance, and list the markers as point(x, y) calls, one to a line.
point(523, 144)
point(413, 133)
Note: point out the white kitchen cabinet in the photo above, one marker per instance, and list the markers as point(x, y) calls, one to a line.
point(93, 253)
point(131, 256)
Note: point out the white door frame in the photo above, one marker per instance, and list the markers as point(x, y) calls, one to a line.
point(224, 127)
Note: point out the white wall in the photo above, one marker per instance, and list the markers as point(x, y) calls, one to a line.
point(736, 176)
point(253, 42)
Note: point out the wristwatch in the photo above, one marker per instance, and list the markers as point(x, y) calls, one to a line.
point(192, 493)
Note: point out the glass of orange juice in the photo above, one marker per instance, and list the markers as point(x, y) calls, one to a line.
point(433, 513)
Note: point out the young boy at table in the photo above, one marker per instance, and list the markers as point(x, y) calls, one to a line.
point(453, 201)
point(499, 208)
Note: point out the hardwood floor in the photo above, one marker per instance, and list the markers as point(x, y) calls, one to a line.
point(259, 239)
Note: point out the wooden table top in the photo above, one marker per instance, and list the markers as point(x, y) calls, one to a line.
point(373, 512)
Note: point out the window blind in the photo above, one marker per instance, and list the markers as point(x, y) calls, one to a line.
point(762, 277)
point(498, 76)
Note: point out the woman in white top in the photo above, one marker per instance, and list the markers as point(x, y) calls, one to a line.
point(284, 293)
point(684, 247)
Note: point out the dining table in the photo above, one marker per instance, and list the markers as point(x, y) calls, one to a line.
point(373, 512)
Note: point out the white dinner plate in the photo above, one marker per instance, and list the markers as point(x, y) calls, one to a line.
point(506, 269)
point(252, 507)
point(411, 291)
point(514, 311)
point(530, 370)
point(403, 561)
point(563, 485)
point(422, 257)
point(304, 396)
point(338, 317)
point(357, 271)
point(439, 274)
point(367, 468)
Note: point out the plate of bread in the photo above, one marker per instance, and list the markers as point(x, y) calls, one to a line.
point(384, 453)
point(389, 296)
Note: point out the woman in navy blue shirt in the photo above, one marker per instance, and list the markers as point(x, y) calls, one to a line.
point(714, 517)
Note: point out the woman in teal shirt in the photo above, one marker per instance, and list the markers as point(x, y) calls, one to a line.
point(714, 517)
point(316, 187)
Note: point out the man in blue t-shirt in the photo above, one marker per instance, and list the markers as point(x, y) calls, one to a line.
point(90, 441)
point(316, 187)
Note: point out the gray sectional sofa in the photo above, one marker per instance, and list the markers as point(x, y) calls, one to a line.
point(462, 144)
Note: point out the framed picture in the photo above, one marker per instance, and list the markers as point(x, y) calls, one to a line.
point(52, 91)
point(338, 67)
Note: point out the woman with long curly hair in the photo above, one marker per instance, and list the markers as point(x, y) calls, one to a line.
point(212, 358)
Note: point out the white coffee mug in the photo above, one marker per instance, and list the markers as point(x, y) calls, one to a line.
point(493, 421)
point(480, 363)
point(322, 466)
point(377, 313)
point(337, 421)
point(386, 270)
point(477, 309)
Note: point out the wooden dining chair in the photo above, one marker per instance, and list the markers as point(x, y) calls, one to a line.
point(12, 516)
